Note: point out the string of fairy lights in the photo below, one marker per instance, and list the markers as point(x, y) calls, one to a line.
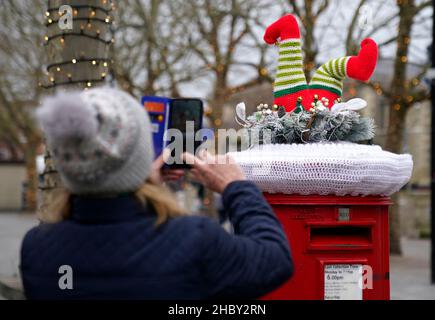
point(414, 82)
point(95, 22)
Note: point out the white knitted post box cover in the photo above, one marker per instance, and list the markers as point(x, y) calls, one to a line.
point(340, 168)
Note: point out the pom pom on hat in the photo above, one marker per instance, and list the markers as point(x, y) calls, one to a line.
point(100, 140)
point(66, 117)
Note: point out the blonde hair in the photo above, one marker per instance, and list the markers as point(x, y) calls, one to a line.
point(56, 206)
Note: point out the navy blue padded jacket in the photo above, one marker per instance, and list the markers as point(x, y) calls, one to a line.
point(116, 252)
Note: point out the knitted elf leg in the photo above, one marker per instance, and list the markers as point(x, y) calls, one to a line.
point(290, 81)
point(328, 79)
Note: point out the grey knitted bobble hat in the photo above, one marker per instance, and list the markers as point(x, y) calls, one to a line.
point(100, 140)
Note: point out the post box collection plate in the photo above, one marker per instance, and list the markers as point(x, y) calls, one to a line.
point(343, 282)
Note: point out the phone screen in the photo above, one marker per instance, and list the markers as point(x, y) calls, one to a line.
point(181, 112)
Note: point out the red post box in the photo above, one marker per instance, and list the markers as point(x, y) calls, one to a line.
point(335, 239)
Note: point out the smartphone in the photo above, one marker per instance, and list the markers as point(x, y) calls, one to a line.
point(185, 115)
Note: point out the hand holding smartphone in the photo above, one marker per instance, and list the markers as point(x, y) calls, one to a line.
point(185, 115)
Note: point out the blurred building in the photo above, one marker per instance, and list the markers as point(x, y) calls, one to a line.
point(12, 177)
point(252, 97)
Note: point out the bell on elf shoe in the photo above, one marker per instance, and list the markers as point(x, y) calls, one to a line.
point(327, 81)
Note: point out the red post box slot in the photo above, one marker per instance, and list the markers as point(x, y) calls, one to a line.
point(339, 237)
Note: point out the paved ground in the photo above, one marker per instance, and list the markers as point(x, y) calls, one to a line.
point(409, 273)
point(12, 229)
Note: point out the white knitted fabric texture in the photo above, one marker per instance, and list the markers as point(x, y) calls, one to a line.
point(340, 168)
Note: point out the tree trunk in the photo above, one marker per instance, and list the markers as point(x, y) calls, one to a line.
point(398, 96)
point(310, 53)
point(78, 59)
point(394, 144)
point(32, 178)
point(220, 95)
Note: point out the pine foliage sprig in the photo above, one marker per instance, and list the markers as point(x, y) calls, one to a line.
point(317, 125)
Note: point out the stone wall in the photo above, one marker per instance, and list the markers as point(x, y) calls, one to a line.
point(12, 176)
